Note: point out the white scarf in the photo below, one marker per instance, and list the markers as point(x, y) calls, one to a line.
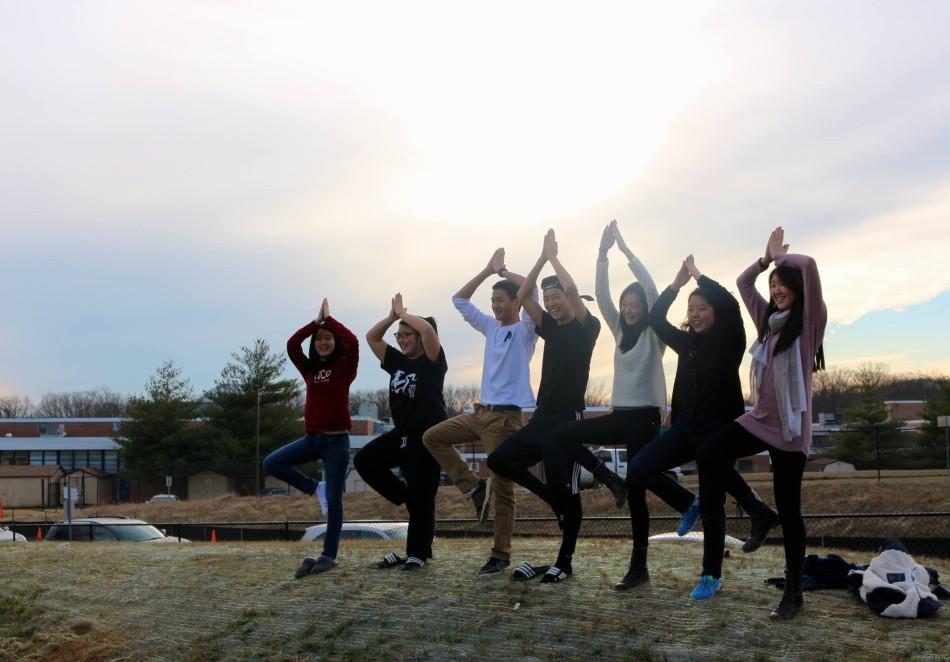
point(788, 377)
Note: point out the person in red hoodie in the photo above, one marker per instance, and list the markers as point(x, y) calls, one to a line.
point(328, 372)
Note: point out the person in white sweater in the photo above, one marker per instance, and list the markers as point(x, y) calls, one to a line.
point(638, 398)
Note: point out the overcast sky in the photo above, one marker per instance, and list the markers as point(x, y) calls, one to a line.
point(180, 178)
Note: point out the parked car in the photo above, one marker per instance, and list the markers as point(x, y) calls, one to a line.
point(616, 460)
point(361, 531)
point(108, 529)
point(6, 535)
point(163, 498)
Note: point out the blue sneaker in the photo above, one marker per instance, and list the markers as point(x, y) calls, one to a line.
point(688, 520)
point(706, 588)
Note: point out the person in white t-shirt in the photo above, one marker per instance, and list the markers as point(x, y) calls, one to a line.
point(506, 389)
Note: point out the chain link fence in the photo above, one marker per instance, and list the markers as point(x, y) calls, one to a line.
point(923, 533)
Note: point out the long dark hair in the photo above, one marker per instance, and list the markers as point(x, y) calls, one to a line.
point(314, 359)
point(792, 279)
point(630, 333)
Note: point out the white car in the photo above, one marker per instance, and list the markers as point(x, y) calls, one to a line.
point(6, 535)
point(616, 460)
point(108, 529)
point(163, 498)
point(361, 531)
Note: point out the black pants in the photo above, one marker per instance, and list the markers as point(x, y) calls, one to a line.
point(561, 489)
point(634, 428)
point(716, 459)
point(374, 463)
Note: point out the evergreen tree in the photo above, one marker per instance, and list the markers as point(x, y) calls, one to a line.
point(250, 386)
point(155, 440)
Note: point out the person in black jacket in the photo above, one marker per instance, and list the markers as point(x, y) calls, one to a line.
point(707, 393)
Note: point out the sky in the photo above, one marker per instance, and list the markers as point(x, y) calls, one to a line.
point(178, 179)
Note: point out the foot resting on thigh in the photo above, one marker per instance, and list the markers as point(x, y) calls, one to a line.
point(688, 519)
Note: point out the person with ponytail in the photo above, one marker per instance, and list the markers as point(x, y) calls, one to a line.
point(638, 397)
point(786, 353)
point(328, 372)
point(417, 374)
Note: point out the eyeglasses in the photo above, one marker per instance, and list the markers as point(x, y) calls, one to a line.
point(404, 335)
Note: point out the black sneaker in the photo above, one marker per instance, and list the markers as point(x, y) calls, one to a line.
point(323, 564)
point(555, 575)
point(412, 563)
point(493, 567)
point(481, 498)
point(762, 523)
point(390, 561)
point(527, 571)
point(305, 566)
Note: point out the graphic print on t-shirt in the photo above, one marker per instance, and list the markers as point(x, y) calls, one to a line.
point(403, 382)
point(322, 376)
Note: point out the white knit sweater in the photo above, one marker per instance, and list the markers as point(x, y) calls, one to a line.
point(638, 373)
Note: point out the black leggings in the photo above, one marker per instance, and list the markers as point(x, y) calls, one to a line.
point(716, 459)
point(396, 449)
point(634, 428)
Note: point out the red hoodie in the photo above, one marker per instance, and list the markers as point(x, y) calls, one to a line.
point(328, 390)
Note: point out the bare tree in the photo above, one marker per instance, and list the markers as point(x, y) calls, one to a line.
point(378, 397)
point(597, 395)
point(457, 398)
point(100, 402)
point(15, 407)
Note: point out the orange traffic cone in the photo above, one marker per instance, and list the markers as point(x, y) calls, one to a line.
point(214, 536)
point(39, 534)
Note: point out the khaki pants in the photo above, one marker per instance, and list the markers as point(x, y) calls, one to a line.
point(491, 428)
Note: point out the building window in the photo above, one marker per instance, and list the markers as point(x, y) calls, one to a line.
point(111, 462)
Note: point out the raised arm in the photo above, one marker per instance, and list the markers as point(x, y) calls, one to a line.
point(567, 281)
point(526, 291)
point(374, 337)
point(351, 354)
point(675, 338)
point(728, 326)
point(294, 351)
point(636, 266)
point(430, 339)
point(815, 310)
point(601, 282)
point(495, 265)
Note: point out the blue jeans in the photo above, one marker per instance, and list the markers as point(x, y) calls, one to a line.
point(334, 450)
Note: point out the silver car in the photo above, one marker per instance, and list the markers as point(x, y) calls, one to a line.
point(108, 529)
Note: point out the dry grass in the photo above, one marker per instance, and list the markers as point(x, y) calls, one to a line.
point(239, 601)
point(904, 492)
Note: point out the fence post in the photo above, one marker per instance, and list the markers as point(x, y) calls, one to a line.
point(877, 444)
point(286, 530)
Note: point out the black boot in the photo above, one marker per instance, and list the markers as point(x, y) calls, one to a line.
point(763, 520)
point(791, 601)
point(613, 482)
point(638, 573)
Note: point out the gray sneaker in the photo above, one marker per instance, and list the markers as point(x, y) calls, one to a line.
point(305, 566)
point(493, 567)
point(323, 564)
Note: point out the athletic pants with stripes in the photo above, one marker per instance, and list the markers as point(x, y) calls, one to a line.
point(561, 489)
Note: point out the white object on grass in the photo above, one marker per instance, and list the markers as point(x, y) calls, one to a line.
point(692, 536)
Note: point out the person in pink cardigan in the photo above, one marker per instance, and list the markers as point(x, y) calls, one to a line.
point(788, 350)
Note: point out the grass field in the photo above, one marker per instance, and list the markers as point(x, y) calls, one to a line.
point(240, 602)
